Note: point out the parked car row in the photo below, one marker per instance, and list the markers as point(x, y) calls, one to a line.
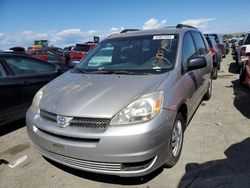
point(219, 48)
point(46, 55)
point(236, 49)
point(216, 54)
point(241, 55)
point(70, 55)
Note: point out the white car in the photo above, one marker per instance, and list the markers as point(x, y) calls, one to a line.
point(244, 50)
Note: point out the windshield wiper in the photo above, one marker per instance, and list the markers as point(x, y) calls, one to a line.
point(81, 70)
point(116, 72)
point(125, 72)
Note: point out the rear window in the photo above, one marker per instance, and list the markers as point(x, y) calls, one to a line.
point(82, 48)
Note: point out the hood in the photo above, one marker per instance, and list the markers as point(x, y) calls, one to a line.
point(96, 95)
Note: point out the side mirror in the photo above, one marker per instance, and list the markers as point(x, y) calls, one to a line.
point(196, 63)
point(96, 39)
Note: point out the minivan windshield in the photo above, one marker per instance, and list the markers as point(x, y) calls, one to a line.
point(132, 55)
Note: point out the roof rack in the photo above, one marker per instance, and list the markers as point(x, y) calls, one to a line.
point(185, 25)
point(128, 30)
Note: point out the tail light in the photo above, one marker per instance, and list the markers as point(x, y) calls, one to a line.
point(242, 51)
point(212, 51)
point(247, 54)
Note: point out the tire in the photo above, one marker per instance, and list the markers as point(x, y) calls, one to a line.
point(175, 146)
point(236, 60)
point(215, 73)
point(208, 94)
point(242, 74)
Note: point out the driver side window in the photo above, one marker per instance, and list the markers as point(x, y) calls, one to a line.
point(24, 66)
point(188, 48)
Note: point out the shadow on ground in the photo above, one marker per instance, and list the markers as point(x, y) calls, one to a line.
point(107, 178)
point(5, 129)
point(234, 171)
point(234, 68)
point(242, 98)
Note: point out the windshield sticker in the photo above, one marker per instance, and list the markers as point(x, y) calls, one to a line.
point(163, 37)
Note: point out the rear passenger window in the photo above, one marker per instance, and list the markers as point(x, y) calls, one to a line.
point(188, 49)
point(199, 43)
point(24, 66)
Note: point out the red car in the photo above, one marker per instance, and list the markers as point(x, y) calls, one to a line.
point(46, 55)
point(245, 73)
point(80, 51)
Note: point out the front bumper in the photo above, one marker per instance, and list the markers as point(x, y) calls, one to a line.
point(124, 150)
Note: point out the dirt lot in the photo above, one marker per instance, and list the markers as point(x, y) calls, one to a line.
point(216, 151)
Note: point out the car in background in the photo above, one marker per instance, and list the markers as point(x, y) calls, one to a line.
point(124, 108)
point(46, 55)
point(233, 43)
point(233, 40)
point(221, 45)
point(57, 50)
point(227, 47)
point(18, 49)
point(21, 76)
point(66, 53)
point(245, 73)
point(244, 50)
point(79, 51)
point(237, 47)
point(216, 54)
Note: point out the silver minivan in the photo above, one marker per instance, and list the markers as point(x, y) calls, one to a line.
point(123, 110)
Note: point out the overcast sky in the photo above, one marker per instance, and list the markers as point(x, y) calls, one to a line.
point(74, 21)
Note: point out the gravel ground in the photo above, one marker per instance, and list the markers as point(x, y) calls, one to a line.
point(216, 151)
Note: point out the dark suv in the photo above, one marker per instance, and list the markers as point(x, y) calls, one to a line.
point(124, 108)
point(221, 45)
point(216, 54)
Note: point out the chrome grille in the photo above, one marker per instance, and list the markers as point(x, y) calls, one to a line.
point(79, 122)
point(90, 122)
point(48, 115)
point(78, 163)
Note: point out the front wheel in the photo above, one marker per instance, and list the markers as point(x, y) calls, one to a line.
point(176, 141)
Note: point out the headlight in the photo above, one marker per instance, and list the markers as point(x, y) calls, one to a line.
point(36, 101)
point(142, 109)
